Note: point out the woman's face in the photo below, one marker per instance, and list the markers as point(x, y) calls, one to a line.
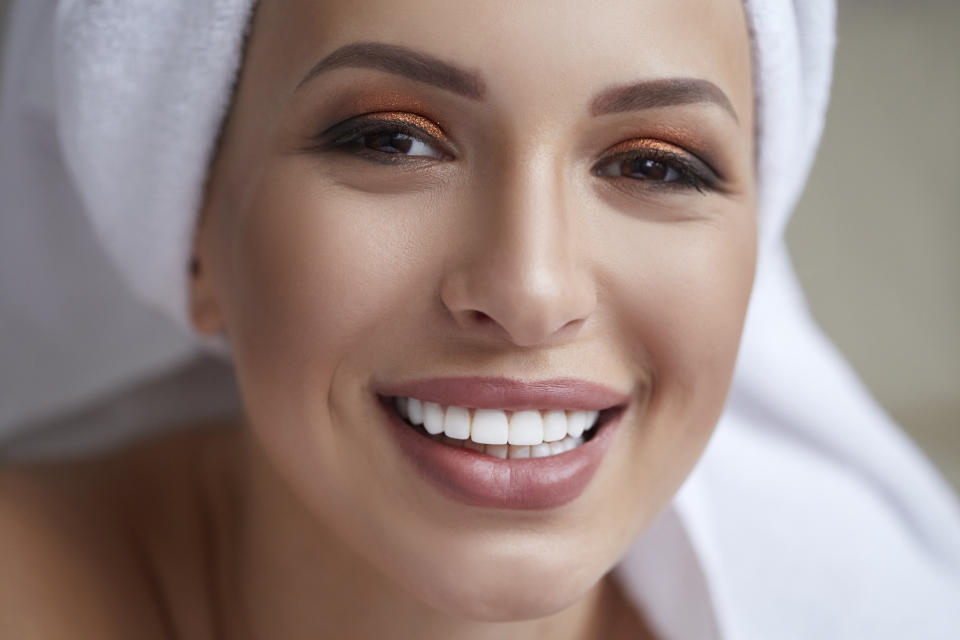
point(498, 206)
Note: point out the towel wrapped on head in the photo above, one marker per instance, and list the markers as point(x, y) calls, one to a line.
point(109, 118)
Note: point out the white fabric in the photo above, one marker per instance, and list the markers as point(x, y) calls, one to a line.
point(809, 516)
point(71, 333)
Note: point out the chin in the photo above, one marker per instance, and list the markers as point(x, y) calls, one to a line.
point(509, 602)
point(501, 589)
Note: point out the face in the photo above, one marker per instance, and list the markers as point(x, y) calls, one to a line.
point(511, 206)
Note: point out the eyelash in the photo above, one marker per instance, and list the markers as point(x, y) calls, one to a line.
point(348, 137)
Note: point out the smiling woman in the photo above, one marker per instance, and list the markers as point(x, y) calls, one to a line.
point(481, 274)
point(505, 241)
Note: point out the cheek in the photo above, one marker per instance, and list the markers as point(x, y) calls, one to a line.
point(311, 273)
point(682, 314)
point(695, 294)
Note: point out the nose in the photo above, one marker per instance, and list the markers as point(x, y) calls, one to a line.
point(522, 275)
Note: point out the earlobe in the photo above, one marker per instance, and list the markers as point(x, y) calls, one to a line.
point(205, 315)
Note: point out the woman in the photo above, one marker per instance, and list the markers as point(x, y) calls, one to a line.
point(482, 274)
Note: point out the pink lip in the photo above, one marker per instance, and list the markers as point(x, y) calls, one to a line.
point(509, 395)
point(480, 480)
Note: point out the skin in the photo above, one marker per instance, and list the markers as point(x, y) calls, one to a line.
point(504, 254)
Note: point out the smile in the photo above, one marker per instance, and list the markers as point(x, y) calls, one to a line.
point(501, 443)
point(500, 433)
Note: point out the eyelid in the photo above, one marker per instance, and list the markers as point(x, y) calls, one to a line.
point(343, 131)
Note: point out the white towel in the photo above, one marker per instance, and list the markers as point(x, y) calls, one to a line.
point(809, 516)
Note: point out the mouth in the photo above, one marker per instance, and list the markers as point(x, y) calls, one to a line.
point(504, 444)
point(498, 433)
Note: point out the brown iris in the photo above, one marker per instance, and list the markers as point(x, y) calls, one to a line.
point(646, 168)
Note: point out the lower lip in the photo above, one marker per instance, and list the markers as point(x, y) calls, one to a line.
point(480, 480)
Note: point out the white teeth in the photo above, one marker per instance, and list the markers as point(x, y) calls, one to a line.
point(576, 422)
point(540, 450)
point(497, 450)
point(592, 417)
point(518, 452)
point(456, 423)
point(526, 427)
point(432, 417)
point(524, 434)
point(414, 411)
point(490, 427)
point(554, 426)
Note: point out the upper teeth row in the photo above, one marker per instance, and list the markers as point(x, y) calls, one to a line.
point(493, 426)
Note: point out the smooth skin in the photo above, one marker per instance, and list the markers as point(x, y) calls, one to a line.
point(521, 225)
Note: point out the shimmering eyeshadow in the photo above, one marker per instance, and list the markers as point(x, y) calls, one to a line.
point(371, 120)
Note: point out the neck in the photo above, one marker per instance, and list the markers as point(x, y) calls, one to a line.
point(286, 575)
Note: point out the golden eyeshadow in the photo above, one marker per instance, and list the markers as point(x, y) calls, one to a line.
point(410, 119)
point(646, 144)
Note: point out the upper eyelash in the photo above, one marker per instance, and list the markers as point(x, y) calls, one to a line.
point(694, 174)
point(343, 133)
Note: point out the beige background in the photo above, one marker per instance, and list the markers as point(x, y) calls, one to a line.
point(874, 237)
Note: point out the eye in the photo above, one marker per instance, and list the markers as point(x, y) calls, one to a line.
point(653, 164)
point(641, 169)
point(398, 143)
point(386, 138)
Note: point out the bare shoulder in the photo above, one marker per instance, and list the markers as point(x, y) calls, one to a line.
point(78, 553)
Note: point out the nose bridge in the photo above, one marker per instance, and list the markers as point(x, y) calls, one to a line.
point(529, 237)
point(522, 277)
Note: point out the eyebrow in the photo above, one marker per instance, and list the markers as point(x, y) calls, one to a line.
point(662, 92)
point(403, 61)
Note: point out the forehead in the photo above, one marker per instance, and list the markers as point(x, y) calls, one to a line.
point(565, 50)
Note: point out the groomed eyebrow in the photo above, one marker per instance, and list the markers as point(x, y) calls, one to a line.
point(404, 62)
point(422, 67)
point(662, 92)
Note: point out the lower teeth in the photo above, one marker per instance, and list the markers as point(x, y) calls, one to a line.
point(513, 451)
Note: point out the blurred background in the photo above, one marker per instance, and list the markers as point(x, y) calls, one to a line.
point(874, 238)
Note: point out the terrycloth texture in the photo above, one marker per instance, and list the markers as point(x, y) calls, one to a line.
point(142, 90)
point(809, 516)
point(107, 109)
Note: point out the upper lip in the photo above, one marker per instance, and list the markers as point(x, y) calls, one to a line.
point(508, 394)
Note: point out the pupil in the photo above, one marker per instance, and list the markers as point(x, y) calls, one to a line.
point(390, 142)
point(647, 168)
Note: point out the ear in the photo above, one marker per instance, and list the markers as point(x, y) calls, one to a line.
point(205, 313)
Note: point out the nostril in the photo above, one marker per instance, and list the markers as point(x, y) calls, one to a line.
point(480, 317)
